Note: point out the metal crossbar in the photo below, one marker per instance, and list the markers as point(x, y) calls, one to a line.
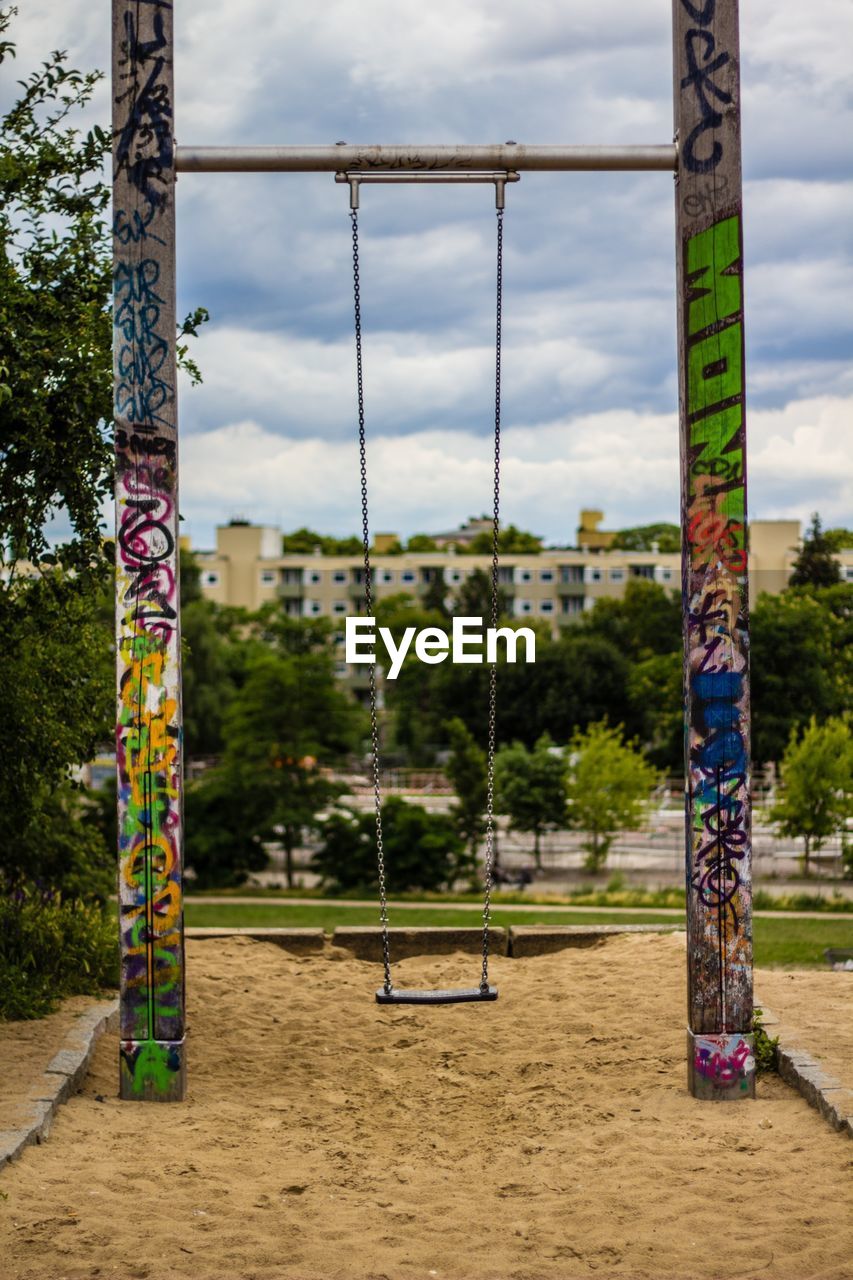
point(501, 156)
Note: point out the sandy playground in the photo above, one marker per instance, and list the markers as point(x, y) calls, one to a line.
point(546, 1135)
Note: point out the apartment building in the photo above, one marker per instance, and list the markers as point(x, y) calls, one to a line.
point(248, 569)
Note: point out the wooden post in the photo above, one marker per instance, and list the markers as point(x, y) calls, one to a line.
point(148, 734)
point(714, 548)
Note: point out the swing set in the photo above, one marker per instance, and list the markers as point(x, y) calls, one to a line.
point(705, 163)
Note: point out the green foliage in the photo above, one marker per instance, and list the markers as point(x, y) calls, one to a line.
point(641, 537)
point(287, 719)
point(815, 565)
point(467, 771)
point(530, 788)
point(422, 850)
point(50, 949)
point(646, 620)
point(655, 697)
point(609, 782)
point(766, 1050)
point(56, 704)
point(802, 651)
point(473, 598)
point(305, 542)
point(511, 541)
point(434, 599)
point(816, 784)
point(421, 542)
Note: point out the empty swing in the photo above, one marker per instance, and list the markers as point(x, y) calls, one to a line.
point(388, 993)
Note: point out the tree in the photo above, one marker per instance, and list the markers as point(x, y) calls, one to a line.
point(816, 784)
point(474, 597)
point(434, 599)
point(641, 537)
point(644, 621)
point(511, 541)
point(815, 565)
point(530, 789)
point(467, 770)
point(287, 719)
point(422, 849)
point(609, 781)
point(57, 682)
point(421, 542)
point(800, 663)
point(655, 696)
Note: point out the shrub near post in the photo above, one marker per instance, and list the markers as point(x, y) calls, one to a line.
point(148, 737)
point(714, 553)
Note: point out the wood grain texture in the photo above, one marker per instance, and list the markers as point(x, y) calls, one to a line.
point(148, 736)
point(713, 514)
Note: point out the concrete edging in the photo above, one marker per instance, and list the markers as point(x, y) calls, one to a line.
point(299, 940)
point(62, 1077)
point(542, 939)
point(365, 941)
point(804, 1073)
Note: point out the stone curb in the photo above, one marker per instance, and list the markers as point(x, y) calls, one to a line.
point(63, 1076)
point(542, 939)
point(365, 941)
point(805, 1074)
point(300, 940)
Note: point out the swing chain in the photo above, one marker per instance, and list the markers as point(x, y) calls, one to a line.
point(368, 604)
point(493, 670)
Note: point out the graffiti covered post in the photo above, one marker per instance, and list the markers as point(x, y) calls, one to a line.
point(714, 548)
point(148, 735)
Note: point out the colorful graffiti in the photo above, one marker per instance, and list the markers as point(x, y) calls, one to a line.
point(722, 1066)
point(716, 604)
point(148, 736)
point(714, 527)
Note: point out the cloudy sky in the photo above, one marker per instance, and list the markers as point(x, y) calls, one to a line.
point(589, 308)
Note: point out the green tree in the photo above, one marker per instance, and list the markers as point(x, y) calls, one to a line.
point(434, 599)
point(287, 720)
point(467, 770)
point(641, 537)
point(422, 849)
point(655, 696)
point(511, 541)
point(609, 781)
point(816, 784)
point(473, 598)
point(800, 663)
point(815, 565)
point(530, 788)
point(421, 542)
point(644, 621)
point(57, 682)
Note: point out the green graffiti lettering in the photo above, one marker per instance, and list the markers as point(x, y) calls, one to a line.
point(714, 297)
point(714, 434)
point(715, 369)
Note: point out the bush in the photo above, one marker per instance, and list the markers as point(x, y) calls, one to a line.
point(50, 949)
point(422, 850)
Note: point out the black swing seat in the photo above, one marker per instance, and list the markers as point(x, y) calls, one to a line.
point(456, 995)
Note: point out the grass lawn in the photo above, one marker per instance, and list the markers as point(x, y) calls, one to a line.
point(785, 943)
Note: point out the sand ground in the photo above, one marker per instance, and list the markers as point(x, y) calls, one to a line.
point(547, 1135)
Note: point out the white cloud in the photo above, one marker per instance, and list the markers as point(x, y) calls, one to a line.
point(622, 461)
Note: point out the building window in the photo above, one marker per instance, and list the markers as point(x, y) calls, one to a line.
point(387, 575)
point(452, 575)
point(848, 572)
point(642, 571)
point(340, 575)
point(571, 604)
point(523, 606)
point(292, 577)
point(546, 575)
point(571, 573)
point(210, 578)
point(546, 606)
point(525, 575)
point(592, 575)
point(314, 575)
point(268, 577)
point(506, 574)
point(617, 575)
point(314, 607)
point(666, 575)
point(339, 606)
point(408, 575)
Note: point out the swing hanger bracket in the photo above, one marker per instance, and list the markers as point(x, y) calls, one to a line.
point(498, 177)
